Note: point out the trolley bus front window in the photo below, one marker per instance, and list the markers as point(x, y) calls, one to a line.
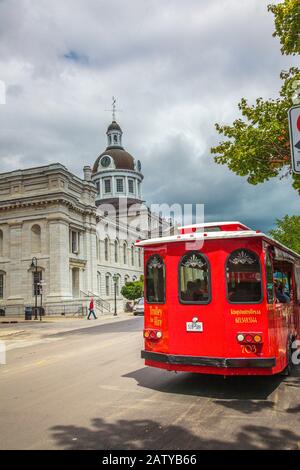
point(155, 280)
point(194, 285)
point(243, 277)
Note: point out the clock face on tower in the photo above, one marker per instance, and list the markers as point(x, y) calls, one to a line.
point(105, 161)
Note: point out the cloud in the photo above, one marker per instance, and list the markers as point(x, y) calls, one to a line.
point(176, 68)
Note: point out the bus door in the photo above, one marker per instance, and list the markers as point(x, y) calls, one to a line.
point(283, 282)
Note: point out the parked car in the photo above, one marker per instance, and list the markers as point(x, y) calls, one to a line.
point(138, 309)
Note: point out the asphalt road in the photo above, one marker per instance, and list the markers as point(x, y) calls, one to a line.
point(89, 389)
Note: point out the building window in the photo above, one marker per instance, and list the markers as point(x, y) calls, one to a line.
point(243, 276)
point(98, 186)
point(118, 286)
point(37, 277)
point(107, 284)
point(120, 185)
point(125, 253)
point(116, 251)
point(106, 249)
point(155, 280)
point(132, 255)
point(139, 257)
point(194, 279)
point(107, 186)
point(131, 186)
point(1, 286)
point(35, 239)
point(75, 241)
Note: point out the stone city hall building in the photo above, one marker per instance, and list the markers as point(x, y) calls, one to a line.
point(50, 242)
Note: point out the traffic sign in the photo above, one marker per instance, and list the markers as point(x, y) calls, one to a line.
point(294, 127)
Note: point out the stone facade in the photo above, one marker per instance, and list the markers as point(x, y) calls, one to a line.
point(40, 208)
point(58, 240)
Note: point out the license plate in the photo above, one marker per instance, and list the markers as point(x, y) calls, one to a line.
point(197, 327)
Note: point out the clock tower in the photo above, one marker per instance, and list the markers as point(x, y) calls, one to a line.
point(116, 173)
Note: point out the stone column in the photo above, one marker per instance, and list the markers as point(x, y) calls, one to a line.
point(16, 280)
point(59, 279)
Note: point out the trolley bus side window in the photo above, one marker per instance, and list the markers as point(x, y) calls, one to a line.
point(155, 280)
point(297, 283)
point(243, 277)
point(194, 279)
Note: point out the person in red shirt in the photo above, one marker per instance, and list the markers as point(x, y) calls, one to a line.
point(91, 310)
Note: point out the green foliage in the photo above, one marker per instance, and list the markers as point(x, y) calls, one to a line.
point(133, 290)
point(287, 25)
point(287, 231)
point(257, 145)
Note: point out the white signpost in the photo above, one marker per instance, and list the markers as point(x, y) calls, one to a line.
point(294, 126)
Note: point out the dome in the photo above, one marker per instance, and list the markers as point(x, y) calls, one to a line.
point(114, 126)
point(122, 159)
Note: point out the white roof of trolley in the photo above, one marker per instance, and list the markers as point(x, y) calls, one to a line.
point(218, 235)
point(214, 224)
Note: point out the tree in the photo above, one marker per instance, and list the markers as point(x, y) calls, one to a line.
point(287, 21)
point(133, 290)
point(257, 145)
point(287, 232)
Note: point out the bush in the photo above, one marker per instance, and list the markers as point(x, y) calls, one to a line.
point(133, 290)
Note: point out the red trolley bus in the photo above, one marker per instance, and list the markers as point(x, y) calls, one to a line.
point(220, 298)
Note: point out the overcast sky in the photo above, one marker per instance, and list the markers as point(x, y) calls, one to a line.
point(176, 68)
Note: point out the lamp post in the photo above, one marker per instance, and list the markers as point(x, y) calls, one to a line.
point(34, 265)
point(115, 279)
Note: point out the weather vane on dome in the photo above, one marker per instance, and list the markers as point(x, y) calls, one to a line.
point(114, 108)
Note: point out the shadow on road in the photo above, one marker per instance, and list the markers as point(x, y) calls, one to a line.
point(148, 434)
point(209, 386)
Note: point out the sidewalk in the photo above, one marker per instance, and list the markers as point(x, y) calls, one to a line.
point(25, 333)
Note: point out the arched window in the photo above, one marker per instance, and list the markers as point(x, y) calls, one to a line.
point(132, 255)
point(116, 251)
point(98, 249)
point(155, 280)
point(194, 279)
point(1, 243)
point(106, 249)
point(140, 257)
point(243, 276)
point(125, 253)
point(35, 239)
point(107, 284)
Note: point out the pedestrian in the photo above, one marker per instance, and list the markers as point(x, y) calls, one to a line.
point(91, 310)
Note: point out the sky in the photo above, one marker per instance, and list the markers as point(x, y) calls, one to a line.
point(176, 67)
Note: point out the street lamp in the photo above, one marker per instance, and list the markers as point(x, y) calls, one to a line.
point(34, 265)
point(115, 279)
